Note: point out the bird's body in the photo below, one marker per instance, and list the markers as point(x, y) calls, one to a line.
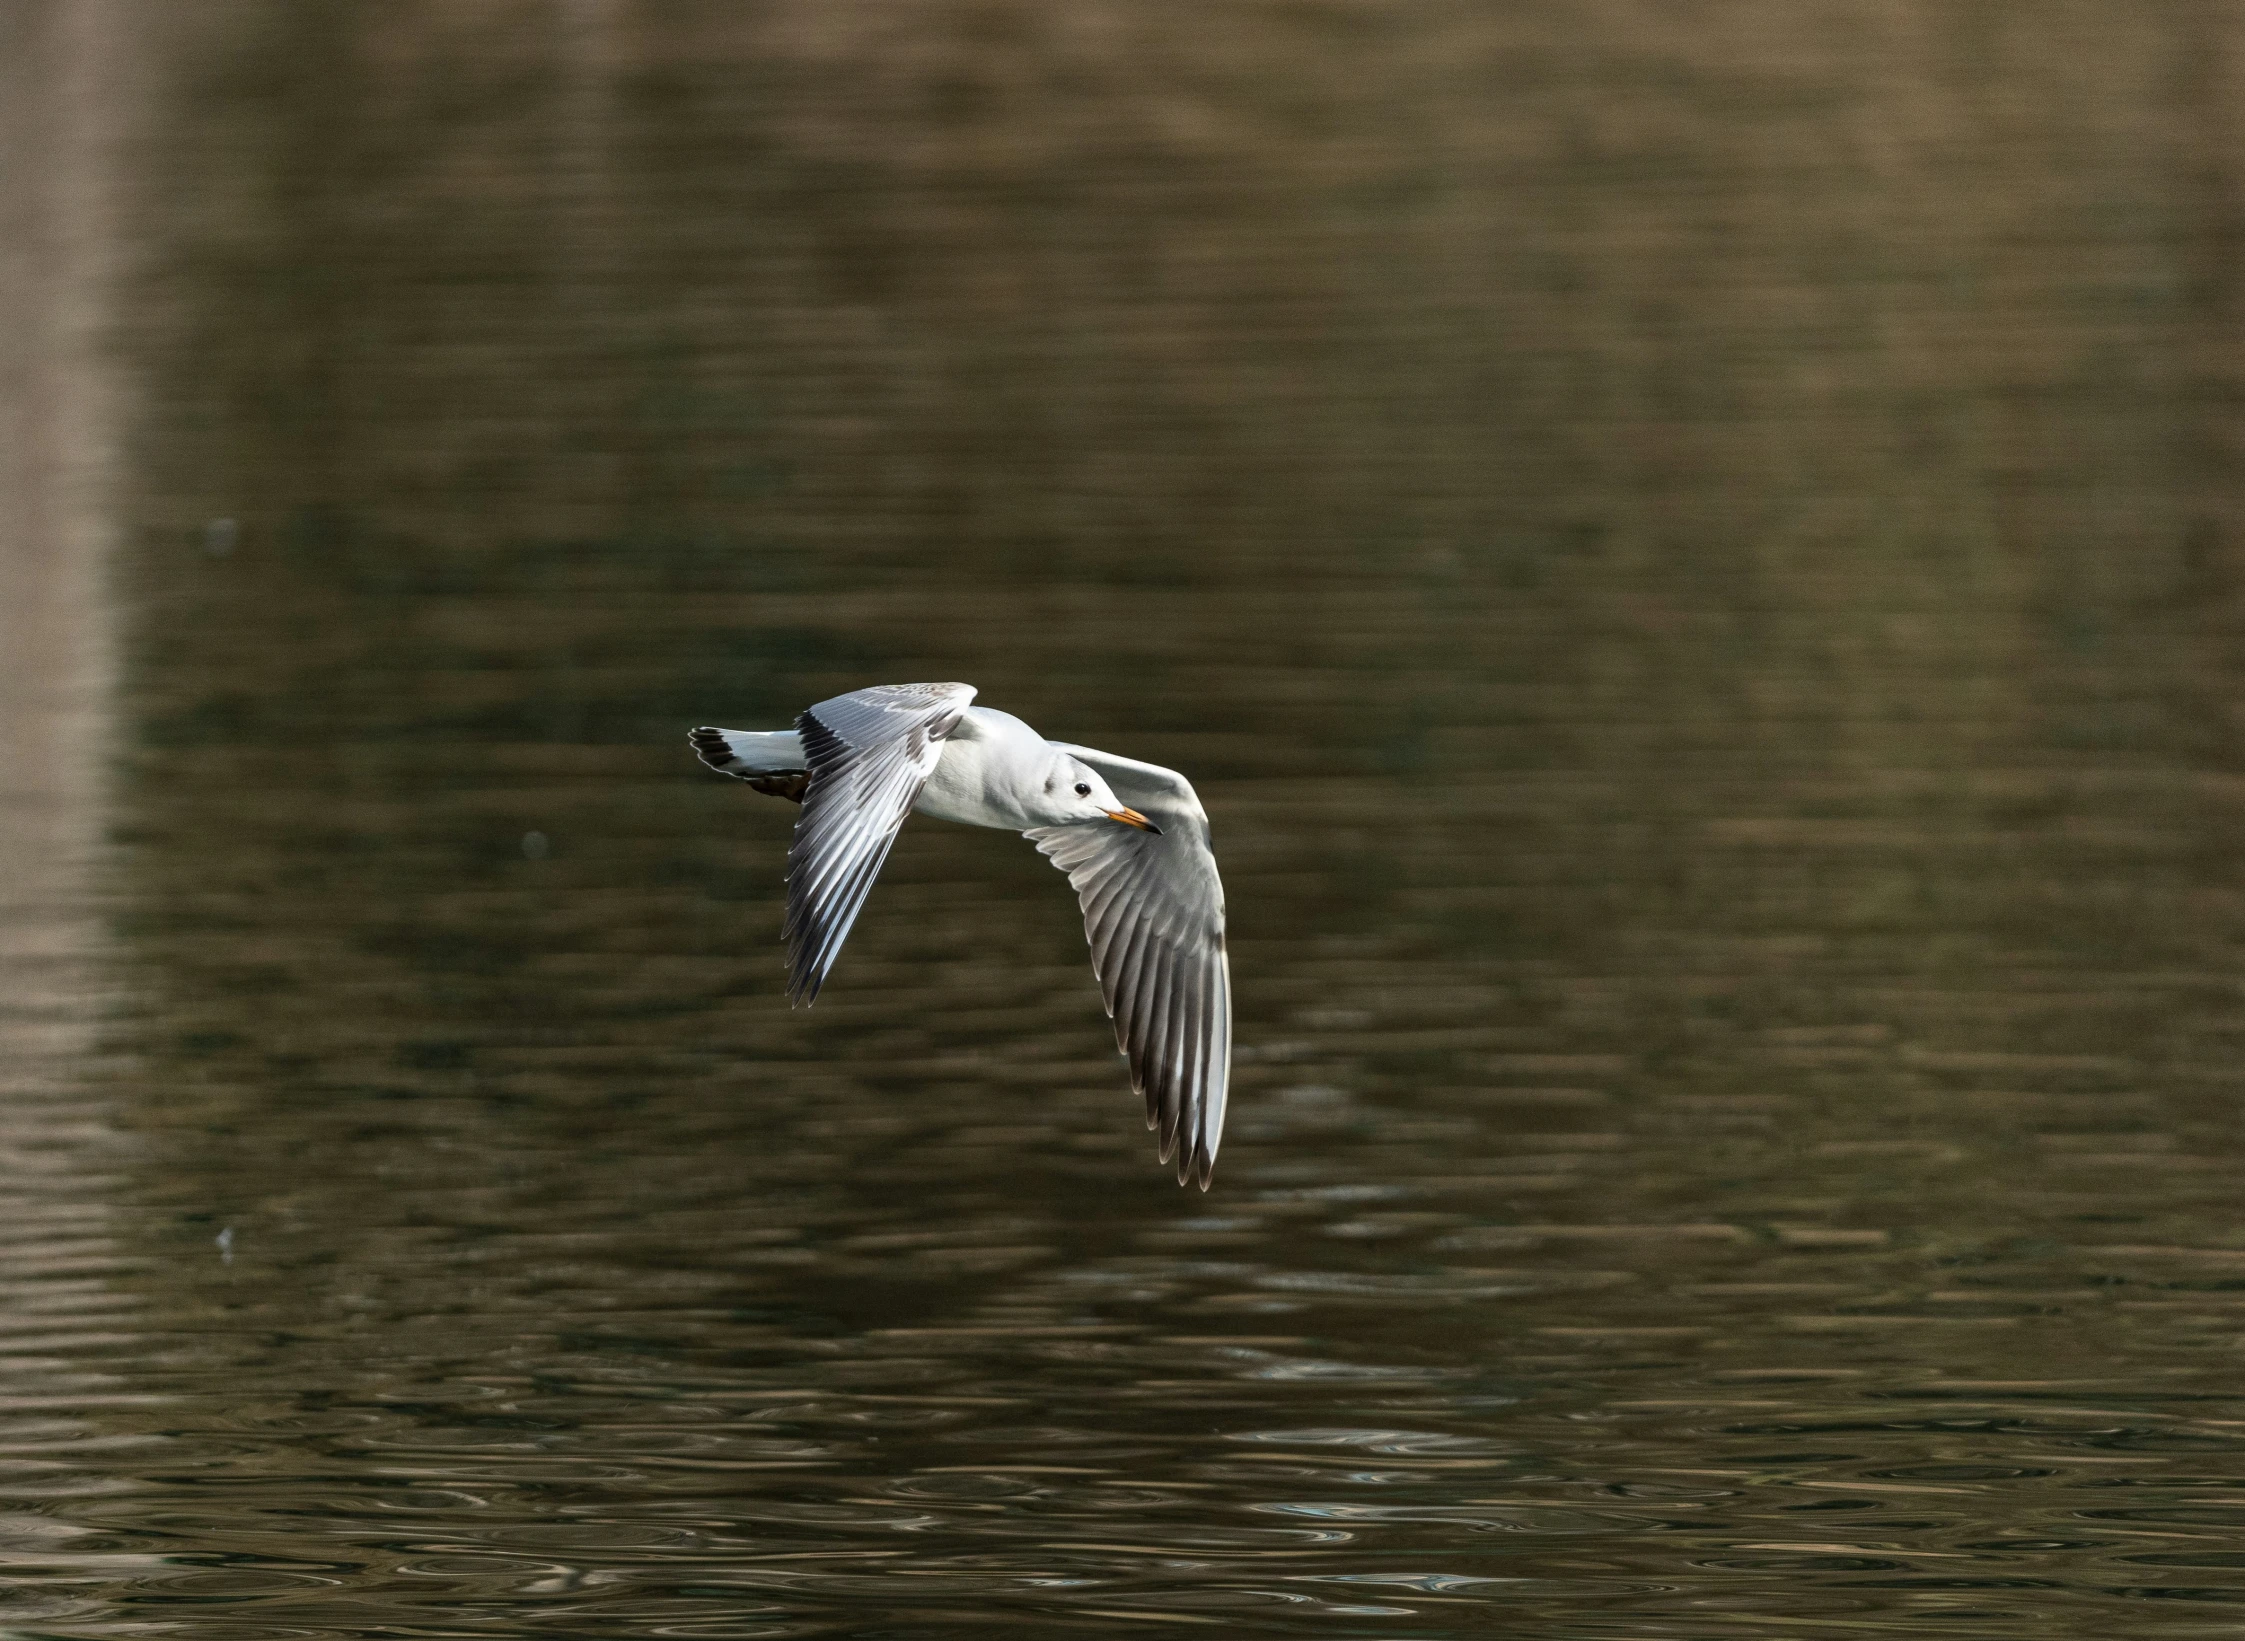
point(1132, 838)
point(990, 774)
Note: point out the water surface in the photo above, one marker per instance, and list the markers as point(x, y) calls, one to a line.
point(1692, 561)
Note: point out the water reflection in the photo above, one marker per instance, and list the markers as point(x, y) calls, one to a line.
point(73, 1402)
point(1691, 569)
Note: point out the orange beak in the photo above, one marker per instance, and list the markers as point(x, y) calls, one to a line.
point(1131, 817)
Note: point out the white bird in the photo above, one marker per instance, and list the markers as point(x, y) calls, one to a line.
point(1153, 905)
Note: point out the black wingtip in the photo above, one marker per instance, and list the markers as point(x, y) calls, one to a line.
point(709, 746)
point(1195, 1167)
point(804, 981)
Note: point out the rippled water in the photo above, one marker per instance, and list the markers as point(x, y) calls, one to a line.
point(1691, 554)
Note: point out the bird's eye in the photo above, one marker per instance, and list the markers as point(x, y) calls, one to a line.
point(1083, 789)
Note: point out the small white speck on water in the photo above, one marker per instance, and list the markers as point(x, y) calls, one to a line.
point(225, 1241)
point(536, 846)
point(220, 536)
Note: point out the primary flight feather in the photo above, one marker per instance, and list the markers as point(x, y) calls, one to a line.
point(1131, 836)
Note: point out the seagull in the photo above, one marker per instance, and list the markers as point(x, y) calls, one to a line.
point(1153, 905)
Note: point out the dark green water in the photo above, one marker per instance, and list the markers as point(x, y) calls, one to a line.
point(1692, 553)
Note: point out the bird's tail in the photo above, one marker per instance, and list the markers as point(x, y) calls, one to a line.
point(772, 761)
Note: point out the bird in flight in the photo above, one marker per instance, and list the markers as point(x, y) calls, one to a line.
point(1131, 836)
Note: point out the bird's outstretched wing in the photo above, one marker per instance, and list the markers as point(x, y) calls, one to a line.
point(869, 753)
point(1154, 914)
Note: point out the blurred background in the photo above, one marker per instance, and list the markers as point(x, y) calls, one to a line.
point(1692, 550)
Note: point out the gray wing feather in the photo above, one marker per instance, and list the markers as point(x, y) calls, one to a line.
point(869, 752)
point(1154, 916)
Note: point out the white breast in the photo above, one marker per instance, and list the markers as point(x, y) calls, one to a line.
point(990, 766)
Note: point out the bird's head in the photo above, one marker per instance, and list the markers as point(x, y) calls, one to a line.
point(1075, 794)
